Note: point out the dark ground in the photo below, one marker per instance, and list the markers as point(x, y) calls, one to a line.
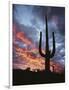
point(26, 77)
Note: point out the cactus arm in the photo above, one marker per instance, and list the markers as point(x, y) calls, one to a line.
point(40, 51)
point(53, 51)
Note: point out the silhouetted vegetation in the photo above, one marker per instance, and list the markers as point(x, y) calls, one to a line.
point(25, 77)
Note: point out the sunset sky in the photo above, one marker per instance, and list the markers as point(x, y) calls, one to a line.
point(28, 21)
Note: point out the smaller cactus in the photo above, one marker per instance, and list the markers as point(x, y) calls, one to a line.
point(53, 68)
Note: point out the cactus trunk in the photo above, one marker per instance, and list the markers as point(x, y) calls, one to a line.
point(47, 63)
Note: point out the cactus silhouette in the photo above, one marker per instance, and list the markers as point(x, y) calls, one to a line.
point(48, 53)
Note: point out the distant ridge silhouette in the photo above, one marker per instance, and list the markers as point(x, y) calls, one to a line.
point(26, 77)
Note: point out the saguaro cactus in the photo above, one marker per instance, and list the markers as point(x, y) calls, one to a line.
point(48, 53)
